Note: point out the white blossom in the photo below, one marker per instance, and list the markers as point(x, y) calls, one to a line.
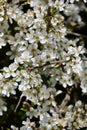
point(45, 63)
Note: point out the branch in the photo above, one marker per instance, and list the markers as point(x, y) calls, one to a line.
point(67, 98)
point(59, 62)
point(60, 109)
point(47, 64)
point(77, 34)
point(19, 102)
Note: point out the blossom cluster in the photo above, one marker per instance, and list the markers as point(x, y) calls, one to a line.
point(43, 59)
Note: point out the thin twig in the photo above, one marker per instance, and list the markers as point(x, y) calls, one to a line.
point(18, 104)
point(51, 63)
point(67, 97)
point(77, 34)
point(65, 101)
point(47, 64)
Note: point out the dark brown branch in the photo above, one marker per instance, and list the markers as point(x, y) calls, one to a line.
point(59, 62)
point(47, 64)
